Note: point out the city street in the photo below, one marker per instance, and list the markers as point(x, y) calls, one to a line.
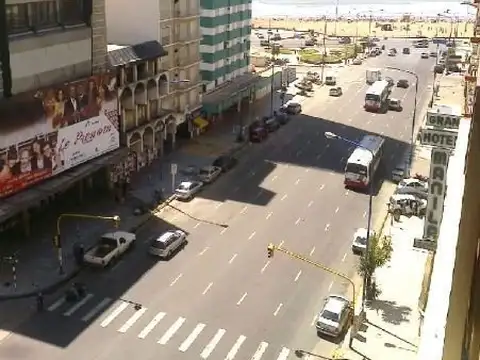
point(221, 297)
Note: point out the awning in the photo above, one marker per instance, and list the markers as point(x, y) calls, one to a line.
point(200, 123)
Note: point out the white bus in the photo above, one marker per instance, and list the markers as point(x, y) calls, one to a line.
point(377, 96)
point(361, 165)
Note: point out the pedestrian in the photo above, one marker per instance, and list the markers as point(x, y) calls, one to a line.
point(40, 303)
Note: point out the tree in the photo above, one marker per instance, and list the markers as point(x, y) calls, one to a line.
point(379, 253)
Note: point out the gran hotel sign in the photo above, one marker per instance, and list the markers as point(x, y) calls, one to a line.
point(441, 133)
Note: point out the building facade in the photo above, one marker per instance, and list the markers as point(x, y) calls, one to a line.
point(225, 46)
point(176, 26)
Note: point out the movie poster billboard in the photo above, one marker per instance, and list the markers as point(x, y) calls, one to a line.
point(48, 131)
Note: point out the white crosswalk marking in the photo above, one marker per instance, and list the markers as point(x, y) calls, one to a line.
point(57, 304)
point(191, 338)
point(138, 314)
point(171, 331)
point(211, 345)
point(100, 306)
point(233, 351)
point(260, 351)
point(78, 305)
point(118, 310)
point(151, 325)
point(284, 354)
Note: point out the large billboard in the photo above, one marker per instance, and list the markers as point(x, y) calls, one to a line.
point(46, 132)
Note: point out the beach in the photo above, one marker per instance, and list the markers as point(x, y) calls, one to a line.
point(365, 27)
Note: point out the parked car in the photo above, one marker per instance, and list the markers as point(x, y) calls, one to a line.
point(391, 53)
point(424, 56)
point(413, 186)
point(439, 68)
point(292, 108)
point(257, 132)
point(109, 248)
point(433, 54)
point(208, 174)
point(359, 242)
point(405, 204)
point(330, 80)
point(357, 61)
point(187, 190)
point(406, 51)
point(264, 43)
point(282, 118)
point(403, 83)
point(395, 105)
point(225, 162)
point(166, 245)
point(270, 123)
point(334, 318)
point(335, 91)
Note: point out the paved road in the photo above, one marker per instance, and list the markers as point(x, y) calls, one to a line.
point(220, 297)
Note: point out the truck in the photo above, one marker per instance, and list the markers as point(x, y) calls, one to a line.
point(373, 75)
point(109, 248)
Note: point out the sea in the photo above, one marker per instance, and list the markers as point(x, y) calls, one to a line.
point(350, 8)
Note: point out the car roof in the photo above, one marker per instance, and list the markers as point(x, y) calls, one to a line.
point(335, 303)
point(403, 196)
point(188, 183)
point(165, 236)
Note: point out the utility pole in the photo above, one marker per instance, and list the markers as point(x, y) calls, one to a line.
point(275, 52)
point(336, 16)
point(324, 49)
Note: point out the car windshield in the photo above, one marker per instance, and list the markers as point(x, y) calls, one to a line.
point(393, 102)
point(329, 315)
point(356, 169)
point(372, 97)
point(361, 240)
point(158, 244)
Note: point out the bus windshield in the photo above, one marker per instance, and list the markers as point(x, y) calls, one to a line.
point(356, 169)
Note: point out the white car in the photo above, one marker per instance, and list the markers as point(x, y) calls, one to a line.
point(357, 61)
point(412, 186)
point(334, 316)
point(208, 174)
point(169, 242)
point(187, 189)
point(359, 243)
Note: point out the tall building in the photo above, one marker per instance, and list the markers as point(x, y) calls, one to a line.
point(225, 47)
point(53, 56)
point(175, 24)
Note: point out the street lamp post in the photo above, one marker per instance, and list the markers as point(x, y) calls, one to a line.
point(275, 53)
point(414, 115)
point(57, 237)
point(333, 136)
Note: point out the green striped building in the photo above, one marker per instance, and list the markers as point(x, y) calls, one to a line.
point(225, 47)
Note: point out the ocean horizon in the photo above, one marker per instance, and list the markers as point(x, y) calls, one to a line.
point(313, 8)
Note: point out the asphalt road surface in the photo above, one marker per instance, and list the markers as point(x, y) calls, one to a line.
point(221, 297)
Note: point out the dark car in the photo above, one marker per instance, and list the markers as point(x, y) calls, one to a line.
point(225, 162)
point(406, 51)
point(403, 83)
point(270, 123)
point(439, 68)
point(257, 132)
point(282, 118)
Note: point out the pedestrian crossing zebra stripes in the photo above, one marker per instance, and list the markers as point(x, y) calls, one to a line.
point(168, 330)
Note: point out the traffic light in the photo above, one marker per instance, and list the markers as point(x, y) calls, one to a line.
point(56, 241)
point(270, 250)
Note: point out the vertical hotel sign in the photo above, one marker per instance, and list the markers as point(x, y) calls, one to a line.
point(49, 131)
point(441, 133)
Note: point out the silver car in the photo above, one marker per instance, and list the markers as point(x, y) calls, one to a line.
point(334, 317)
point(413, 186)
point(165, 245)
point(208, 174)
point(187, 189)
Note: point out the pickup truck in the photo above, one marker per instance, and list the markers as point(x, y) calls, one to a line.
point(110, 247)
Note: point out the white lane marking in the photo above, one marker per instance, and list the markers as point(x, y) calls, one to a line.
point(344, 257)
point(283, 197)
point(211, 345)
point(310, 204)
point(281, 244)
point(312, 251)
point(133, 319)
point(236, 189)
point(265, 266)
point(232, 258)
point(233, 351)
point(260, 192)
point(330, 286)
point(327, 227)
point(278, 309)
point(78, 305)
point(118, 310)
point(252, 173)
point(171, 331)
point(298, 276)
point(192, 337)
point(347, 192)
point(176, 279)
point(251, 235)
point(297, 182)
point(298, 153)
point(224, 230)
point(269, 215)
point(319, 156)
point(57, 304)
point(392, 157)
point(241, 299)
point(342, 159)
point(207, 288)
point(284, 354)
point(364, 214)
point(101, 305)
point(321, 187)
point(203, 251)
point(218, 205)
point(337, 209)
point(197, 225)
point(309, 142)
point(244, 210)
point(307, 170)
point(349, 120)
point(298, 221)
point(274, 178)
point(151, 325)
point(260, 351)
